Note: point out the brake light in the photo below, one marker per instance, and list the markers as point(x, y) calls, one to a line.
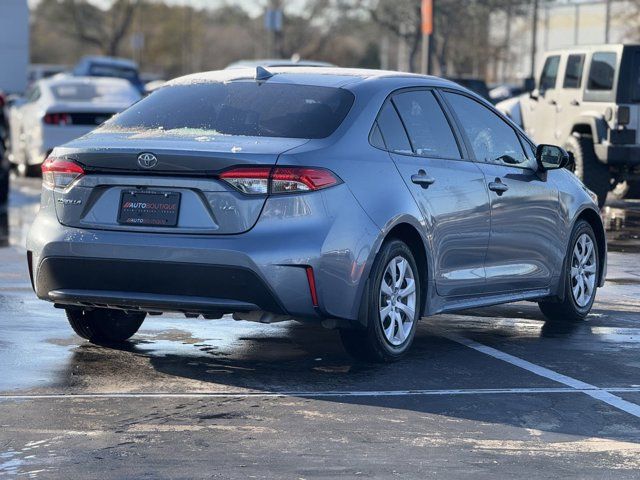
point(60, 173)
point(57, 119)
point(263, 180)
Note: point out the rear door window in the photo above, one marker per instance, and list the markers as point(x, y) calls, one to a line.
point(393, 133)
point(241, 108)
point(573, 72)
point(549, 73)
point(428, 129)
point(602, 71)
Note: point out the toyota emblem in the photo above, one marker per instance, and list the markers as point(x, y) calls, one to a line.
point(147, 160)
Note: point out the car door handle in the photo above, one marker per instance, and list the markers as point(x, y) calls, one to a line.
point(498, 187)
point(575, 103)
point(422, 178)
point(552, 102)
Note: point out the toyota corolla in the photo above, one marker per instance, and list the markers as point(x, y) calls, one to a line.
point(359, 200)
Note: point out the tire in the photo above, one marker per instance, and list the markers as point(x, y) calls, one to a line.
point(626, 190)
point(574, 308)
point(372, 343)
point(588, 168)
point(103, 326)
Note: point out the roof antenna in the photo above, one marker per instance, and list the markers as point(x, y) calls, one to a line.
point(263, 74)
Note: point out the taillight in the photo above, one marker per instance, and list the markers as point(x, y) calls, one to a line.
point(60, 173)
point(254, 181)
point(263, 180)
point(57, 119)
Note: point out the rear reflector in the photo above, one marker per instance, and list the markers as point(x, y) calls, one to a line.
point(59, 173)
point(312, 286)
point(263, 180)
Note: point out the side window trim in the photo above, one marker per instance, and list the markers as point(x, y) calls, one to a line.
point(472, 155)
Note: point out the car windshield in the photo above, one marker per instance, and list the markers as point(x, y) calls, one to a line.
point(95, 92)
point(103, 70)
point(241, 108)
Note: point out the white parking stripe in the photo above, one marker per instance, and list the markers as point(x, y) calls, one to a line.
point(595, 392)
point(319, 394)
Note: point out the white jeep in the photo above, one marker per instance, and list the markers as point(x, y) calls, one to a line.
point(587, 98)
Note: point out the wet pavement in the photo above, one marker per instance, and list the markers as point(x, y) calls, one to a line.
point(493, 392)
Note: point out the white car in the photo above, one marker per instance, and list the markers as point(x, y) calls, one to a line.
point(57, 110)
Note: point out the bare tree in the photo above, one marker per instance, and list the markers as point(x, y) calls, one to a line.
point(103, 29)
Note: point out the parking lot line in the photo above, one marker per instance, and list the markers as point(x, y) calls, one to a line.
point(595, 392)
point(321, 394)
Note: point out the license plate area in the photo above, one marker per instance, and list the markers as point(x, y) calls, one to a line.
point(149, 208)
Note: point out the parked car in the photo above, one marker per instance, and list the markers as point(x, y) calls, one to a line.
point(39, 71)
point(476, 85)
point(59, 109)
point(588, 99)
point(98, 66)
point(358, 199)
point(277, 62)
point(505, 91)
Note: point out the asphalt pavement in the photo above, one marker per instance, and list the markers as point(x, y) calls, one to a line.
point(488, 393)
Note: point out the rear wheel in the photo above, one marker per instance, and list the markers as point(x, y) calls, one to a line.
point(580, 277)
point(594, 175)
point(390, 307)
point(104, 325)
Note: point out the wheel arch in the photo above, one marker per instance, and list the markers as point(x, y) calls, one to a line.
point(593, 219)
point(590, 125)
point(408, 231)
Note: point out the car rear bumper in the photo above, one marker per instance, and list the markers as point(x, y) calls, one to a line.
point(265, 267)
point(618, 154)
point(196, 288)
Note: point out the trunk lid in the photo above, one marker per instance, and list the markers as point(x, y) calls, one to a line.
point(186, 163)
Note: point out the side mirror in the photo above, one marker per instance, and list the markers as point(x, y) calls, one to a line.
point(551, 157)
point(534, 94)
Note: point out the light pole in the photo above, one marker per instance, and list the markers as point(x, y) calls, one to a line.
point(534, 39)
point(426, 25)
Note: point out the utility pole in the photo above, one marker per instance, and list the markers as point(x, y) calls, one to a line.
point(427, 34)
point(607, 21)
point(534, 38)
point(273, 26)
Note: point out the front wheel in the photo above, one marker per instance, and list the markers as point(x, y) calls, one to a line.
point(102, 325)
point(580, 277)
point(390, 307)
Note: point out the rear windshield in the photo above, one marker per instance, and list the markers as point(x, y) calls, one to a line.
point(103, 70)
point(241, 108)
point(94, 92)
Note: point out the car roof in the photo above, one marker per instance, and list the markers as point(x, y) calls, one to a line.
point(121, 62)
point(63, 79)
point(318, 76)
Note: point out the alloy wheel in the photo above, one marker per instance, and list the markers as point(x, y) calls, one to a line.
point(583, 270)
point(397, 300)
